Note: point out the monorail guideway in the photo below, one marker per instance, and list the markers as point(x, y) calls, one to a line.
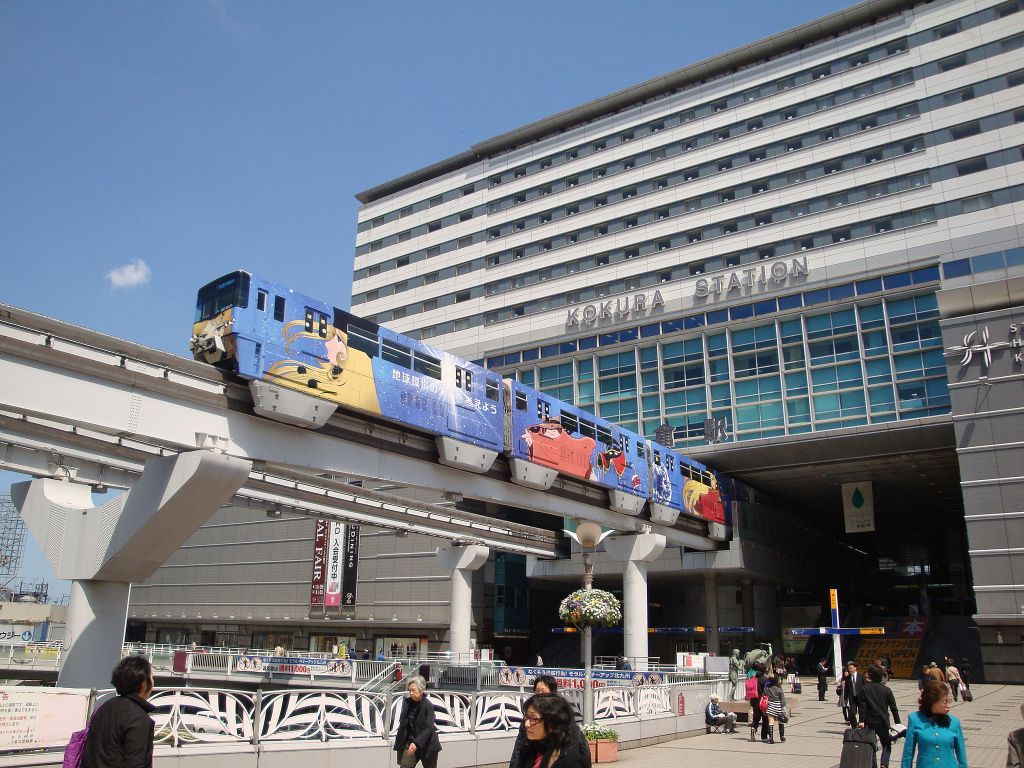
point(80, 409)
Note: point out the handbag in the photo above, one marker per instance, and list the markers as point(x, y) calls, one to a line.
point(763, 703)
point(408, 761)
point(786, 714)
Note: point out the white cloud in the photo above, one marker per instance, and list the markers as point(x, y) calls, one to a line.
point(129, 275)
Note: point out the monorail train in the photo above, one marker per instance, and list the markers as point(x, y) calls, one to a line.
point(303, 358)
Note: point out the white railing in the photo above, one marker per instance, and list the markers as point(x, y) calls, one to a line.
point(188, 716)
point(35, 655)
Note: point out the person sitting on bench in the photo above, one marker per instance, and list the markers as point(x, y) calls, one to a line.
point(714, 716)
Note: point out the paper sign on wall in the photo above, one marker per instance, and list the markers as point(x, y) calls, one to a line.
point(859, 507)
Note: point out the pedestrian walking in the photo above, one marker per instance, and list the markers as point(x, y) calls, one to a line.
point(923, 678)
point(550, 736)
point(121, 731)
point(1015, 755)
point(953, 678)
point(876, 702)
point(775, 714)
point(416, 740)
point(547, 684)
point(851, 693)
point(822, 670)
point(934, 673)
point(841, 692)
point(752, 689)
point(933, 733)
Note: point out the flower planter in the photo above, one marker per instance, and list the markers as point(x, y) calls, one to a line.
point(604, 751)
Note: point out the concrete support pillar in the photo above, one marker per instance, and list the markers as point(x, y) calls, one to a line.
point(747, 595)
point(636, 551)
point(711, 611)
point(102, 550)
point(462, 560)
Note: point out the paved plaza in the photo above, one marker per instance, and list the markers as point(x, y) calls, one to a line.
point(814, 737)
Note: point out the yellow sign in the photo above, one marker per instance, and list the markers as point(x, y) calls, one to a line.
point(698, 629)
point(902, 652)
point(872, 630)
point(833, 596)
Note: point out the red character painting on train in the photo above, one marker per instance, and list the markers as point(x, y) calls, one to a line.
point(551, 445)
point(704, 499)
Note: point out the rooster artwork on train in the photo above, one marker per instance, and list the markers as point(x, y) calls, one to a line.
point(303, 359)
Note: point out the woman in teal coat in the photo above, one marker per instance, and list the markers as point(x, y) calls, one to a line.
point(935, 733)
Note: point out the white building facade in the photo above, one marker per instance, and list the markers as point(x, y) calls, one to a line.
point(748, 249)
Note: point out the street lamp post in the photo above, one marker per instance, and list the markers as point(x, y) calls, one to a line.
point(588, 535)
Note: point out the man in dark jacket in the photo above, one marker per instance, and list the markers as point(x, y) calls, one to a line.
point(876, 702)
point(121, 731)
point(851, 692)
point(822, 671)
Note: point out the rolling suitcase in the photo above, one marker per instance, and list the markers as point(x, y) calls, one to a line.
point(965, 693)
point(859, 745)
point(797, 687)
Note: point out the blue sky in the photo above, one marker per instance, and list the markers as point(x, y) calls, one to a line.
point(147, 148)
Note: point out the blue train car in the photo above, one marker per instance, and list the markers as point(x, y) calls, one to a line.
point(667, 479)
point(545, 437)
point(304, 358)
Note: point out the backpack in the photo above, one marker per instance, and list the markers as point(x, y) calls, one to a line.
point(75, 749)
point(763, 703)
point(751, 687)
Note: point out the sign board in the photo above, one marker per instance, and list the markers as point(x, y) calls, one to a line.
point(292, 665)
point(38, 718)
point(350, 568)
point(519, 677)
point(335, 543)
point(16, 633)
point(859, 507)
point(319, 578)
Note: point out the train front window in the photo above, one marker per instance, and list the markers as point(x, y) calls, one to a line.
point(229, 291)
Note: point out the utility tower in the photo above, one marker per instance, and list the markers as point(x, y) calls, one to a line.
point(12, 542)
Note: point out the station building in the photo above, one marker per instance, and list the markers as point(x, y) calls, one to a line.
point(810, 244)
point(804, 256)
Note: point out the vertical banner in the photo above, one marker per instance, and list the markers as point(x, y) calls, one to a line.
point(319, 577)
point(335, 537)
point(350, 568)
point(859, 507)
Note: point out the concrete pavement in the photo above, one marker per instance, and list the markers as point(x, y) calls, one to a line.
point(814, 737)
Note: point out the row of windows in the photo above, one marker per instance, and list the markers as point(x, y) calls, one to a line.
point(986, 262)
point(751, 221)
point(686, 352)
point(698, 141)
point(829, 101)
point(715, 106)
point(867, 122)
point(890, 382)
point(820, 239)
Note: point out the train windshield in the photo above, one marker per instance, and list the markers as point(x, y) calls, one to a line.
point(228, 291)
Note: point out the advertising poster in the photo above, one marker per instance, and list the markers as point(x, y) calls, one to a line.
point(350, 568)
point(318, 581)
point(335, 543)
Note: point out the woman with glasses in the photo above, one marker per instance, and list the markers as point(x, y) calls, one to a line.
point(542, 685)
point(416, 740)
point(933, 732)
point(552, 739)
